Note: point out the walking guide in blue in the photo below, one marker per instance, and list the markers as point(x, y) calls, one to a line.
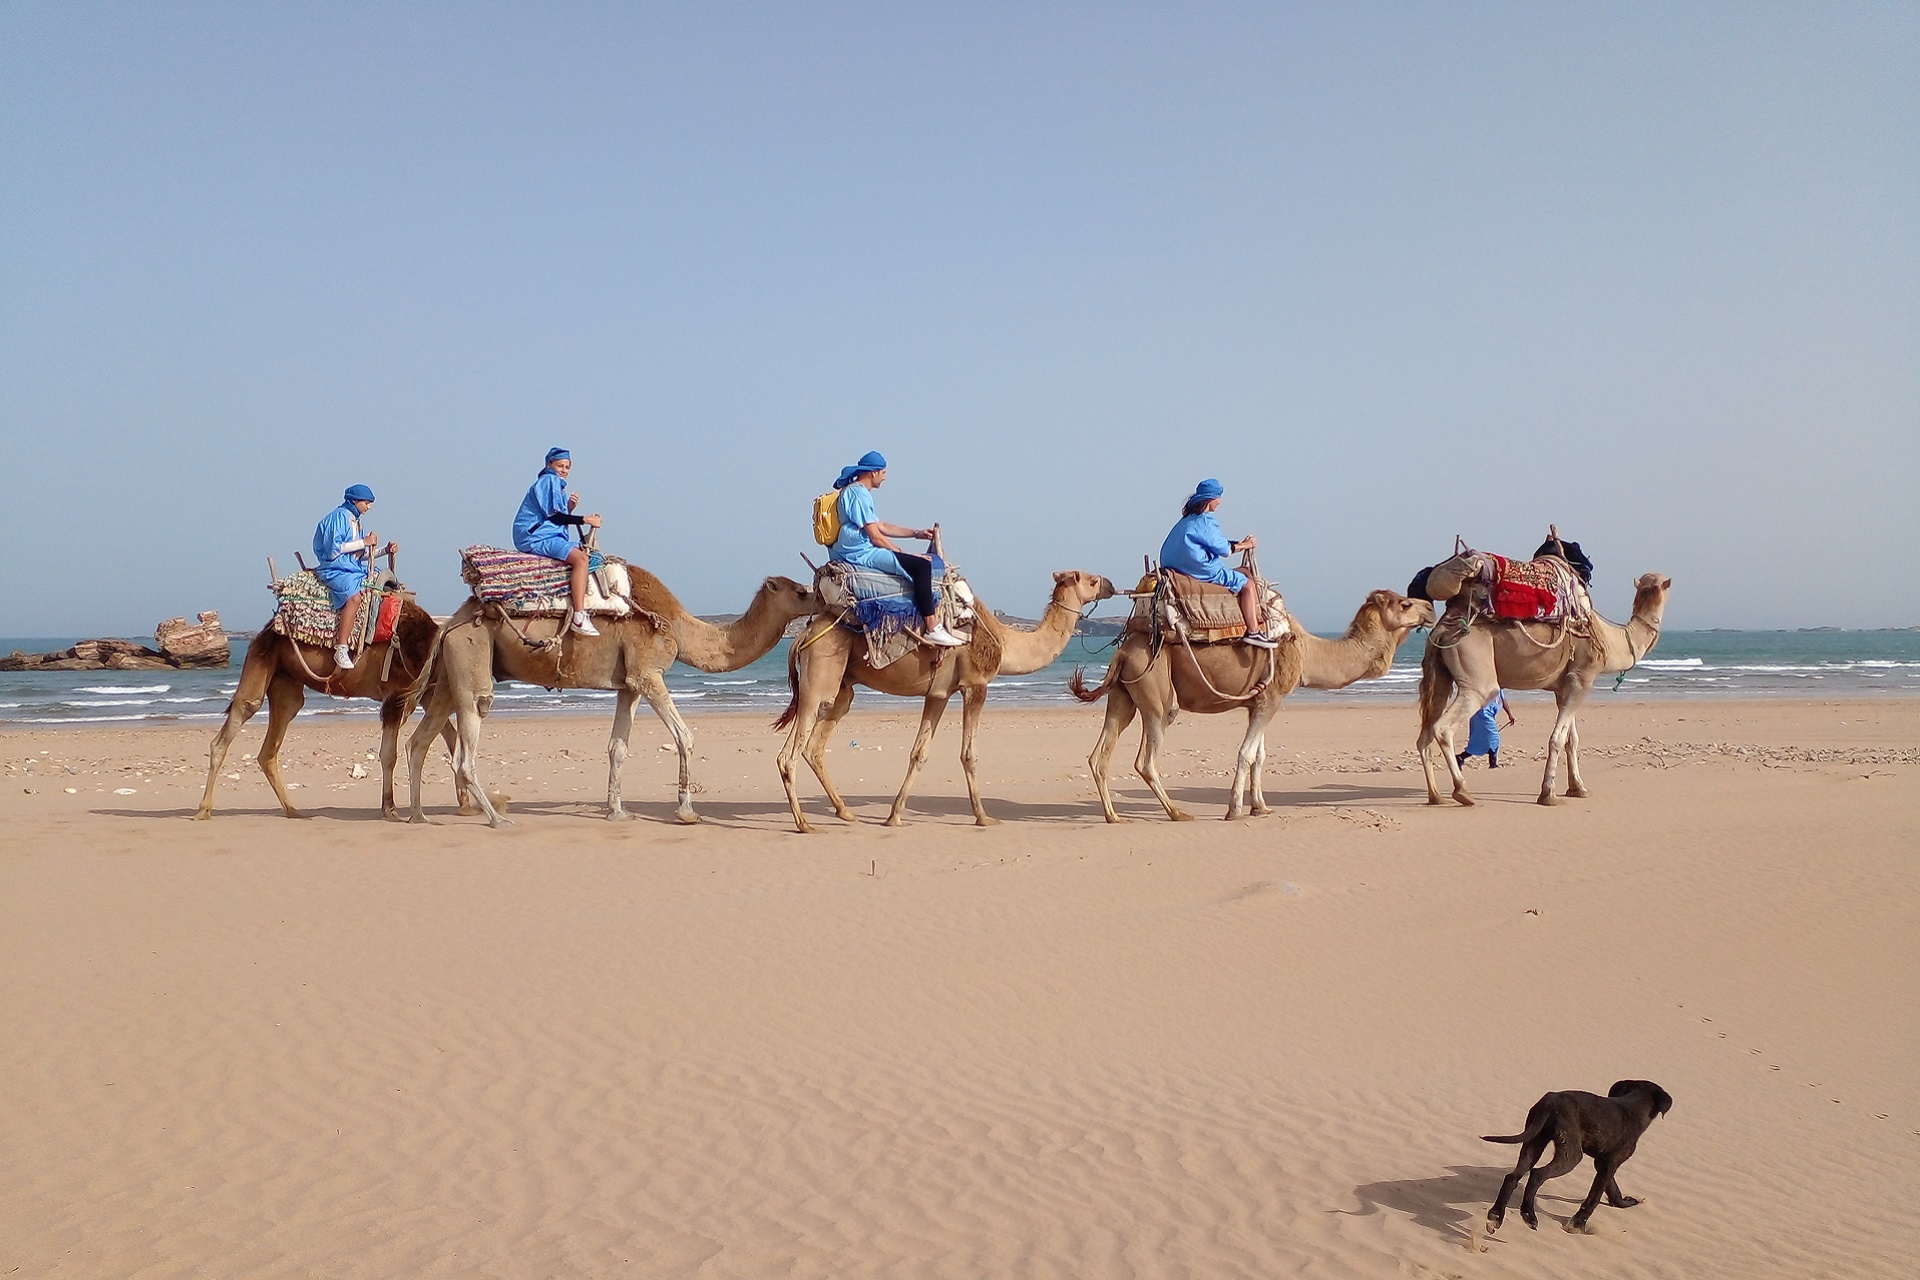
point(541, 528)
point(1483, 731)
point(344, 554)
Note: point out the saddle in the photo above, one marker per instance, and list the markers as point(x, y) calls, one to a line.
point(880, 607)
point(1175, 604)
point(536, 587)
point(1544, 589)
point(305, 612)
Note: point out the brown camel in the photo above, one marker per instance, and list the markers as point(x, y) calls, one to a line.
point(825, 666)
point(630, 656)
point(1465, 665)
point(280, 671)
point(1228, 677)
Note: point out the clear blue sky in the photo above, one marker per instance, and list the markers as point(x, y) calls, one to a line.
point(1392, 272)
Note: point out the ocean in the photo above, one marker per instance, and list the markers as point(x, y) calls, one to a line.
point(1714, 664)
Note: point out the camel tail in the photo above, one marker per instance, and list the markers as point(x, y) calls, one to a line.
point(1436, 687)
point(1078, 685)
point(418, 688)
point(793, 687)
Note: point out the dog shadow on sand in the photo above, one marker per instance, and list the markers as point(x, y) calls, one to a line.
point(1453, 1206)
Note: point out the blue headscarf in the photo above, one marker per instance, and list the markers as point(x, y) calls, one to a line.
point(359, 493)
point(1206, 491)
point(555, 454)
point(870, 461)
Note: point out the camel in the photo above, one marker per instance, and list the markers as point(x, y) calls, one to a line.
point(630, 656)
point(1480, 659)
point(281, 670)
point(1229, 677)
point(824, 667)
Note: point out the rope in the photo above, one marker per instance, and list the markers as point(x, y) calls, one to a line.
point(1273, 658)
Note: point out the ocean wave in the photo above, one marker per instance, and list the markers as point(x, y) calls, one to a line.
point(726, 682)
point(1672, 663)
point(109, 702)
point(123, 688)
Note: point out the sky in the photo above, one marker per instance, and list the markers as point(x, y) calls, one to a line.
point(1392, 272)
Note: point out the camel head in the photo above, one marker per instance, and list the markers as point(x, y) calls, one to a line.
point(1076, 588)
point(789, 599)
point(1393, 612)
point(1650, 596)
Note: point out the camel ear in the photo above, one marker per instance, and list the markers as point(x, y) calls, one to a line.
point(1666, 584)
point(1062, 576)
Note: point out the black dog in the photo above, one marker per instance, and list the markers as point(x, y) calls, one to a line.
point(1606, 1128)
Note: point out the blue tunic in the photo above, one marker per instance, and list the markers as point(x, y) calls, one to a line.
point(343, 572)
point(1483, 733)
point(853, 546)
point(534, 530)
point(1197, 548)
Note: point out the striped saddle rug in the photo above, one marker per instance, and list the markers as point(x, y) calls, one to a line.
point(534, 586)
point(306, 614)
point(1530, 590)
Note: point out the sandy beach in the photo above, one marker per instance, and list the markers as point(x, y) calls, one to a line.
point(344, 1047)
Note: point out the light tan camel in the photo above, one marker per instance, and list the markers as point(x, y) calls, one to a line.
point(1465, 665)
point(630, 656)
point(826, 664)
point(1218, 677)
point(279, 671)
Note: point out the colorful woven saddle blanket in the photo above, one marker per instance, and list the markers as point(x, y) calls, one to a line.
point(306, 612)
point(1186, 608)
point(1540, 590)
point(535, 586)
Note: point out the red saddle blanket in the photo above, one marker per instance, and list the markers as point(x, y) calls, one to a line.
point(1531, 590)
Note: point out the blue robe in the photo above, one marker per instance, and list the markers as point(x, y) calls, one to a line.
point(534, 529)
point(1483, 731)
point(343, 572)
point(1197, 548)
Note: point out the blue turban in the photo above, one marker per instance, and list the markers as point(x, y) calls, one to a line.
point(555, 454)
point(1206, 491)
point(870, 461)
point(359, 493)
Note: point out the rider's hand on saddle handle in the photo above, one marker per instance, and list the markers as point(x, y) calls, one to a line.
point(1247, 543)
point(593, 521)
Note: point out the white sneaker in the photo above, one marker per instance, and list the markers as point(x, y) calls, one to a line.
point(341, 658)
point(944, 638)
point(1259, 640)
point(583, 625)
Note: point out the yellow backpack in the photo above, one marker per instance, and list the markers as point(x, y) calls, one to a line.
point(826, 518)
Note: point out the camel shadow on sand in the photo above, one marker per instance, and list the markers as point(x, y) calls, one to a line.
point(1452, 1206)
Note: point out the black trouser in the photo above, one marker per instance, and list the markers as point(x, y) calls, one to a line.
point(920, 572)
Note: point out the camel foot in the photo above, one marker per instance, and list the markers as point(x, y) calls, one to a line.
point(1576, 1228)
point(393, 815)
point(203, 815)
point(1114, 820)
point(686, 817)
point(295, 813)
point(617, 814)
point(1180, 815)
point(497, 823)
point(1433, 797)
point(894, 820)
point(1262, 810)
point(468, 809)
point(1462, 797)
point(1548, 798)
point(1578, 792)
point(421, 820)
point(983, 820)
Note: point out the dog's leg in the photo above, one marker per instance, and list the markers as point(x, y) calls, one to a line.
point(1602, 1180)
point(1566, 1154)
point(1614, 1197)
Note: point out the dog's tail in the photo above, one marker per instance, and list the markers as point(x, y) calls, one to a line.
point(1518, 1137)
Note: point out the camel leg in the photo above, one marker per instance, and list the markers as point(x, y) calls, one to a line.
point(653, 686)
point(285, 696)
point(436, 721)
point(1466, 702)
point(467, 807)
point(393, 713)
point(1259, 712)
point(1576, 785)
point(796, 736)
point(1567, 700)
point(246, 702)
point(973, 700)
point(623, 701)
point(824, 726)
point(467, 764)
point(1153, 731)
point(930, 713)
point(1259, 794)
point(1120, 712)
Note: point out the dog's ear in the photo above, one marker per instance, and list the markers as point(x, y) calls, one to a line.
point(1621, 1088)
